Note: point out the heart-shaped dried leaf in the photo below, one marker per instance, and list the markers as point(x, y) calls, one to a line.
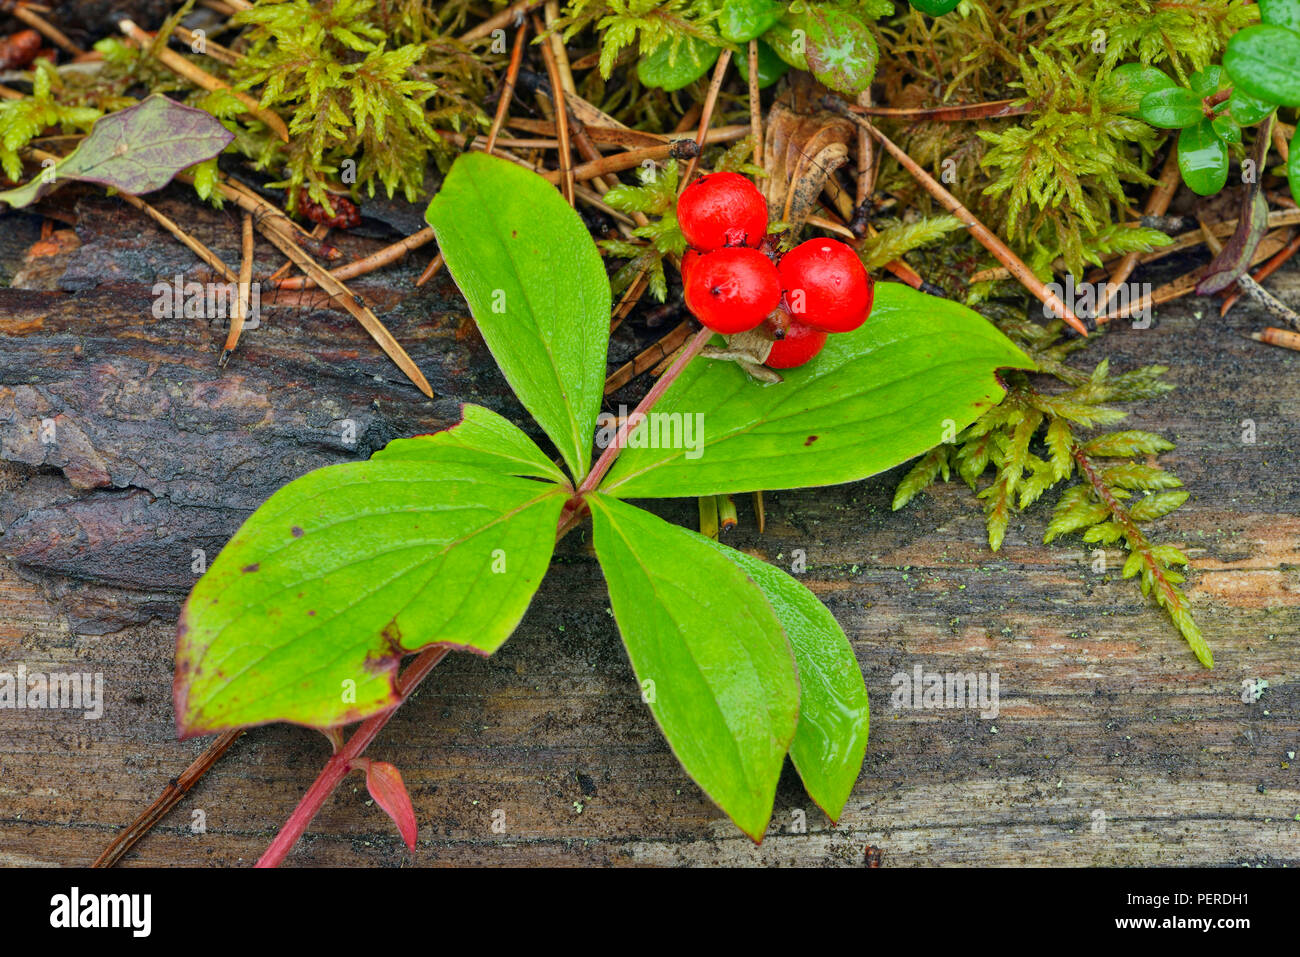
point(136, 150)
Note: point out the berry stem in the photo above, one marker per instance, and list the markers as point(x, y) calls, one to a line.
point(607, 457)
point(340, 763)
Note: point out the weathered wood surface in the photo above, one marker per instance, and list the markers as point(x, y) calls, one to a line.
point(1103, 709)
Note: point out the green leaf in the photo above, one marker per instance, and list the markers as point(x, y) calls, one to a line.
point(536, 285)
point(308, 610)
point(789, 40)
point(1136, 80)
point(922, 475)
point(1246, 109)
point(833, 713)
point(1293, 167)
point(840, 50)
point(1281, 13)
point(1207, 82)
point(918, 369)
point(677, 63)
point(1265, 61)
point(1156, 506)
point(712, 659)
point(1125, 444)
point(1171, 109)
point(1226, 128)
point(935, 8)
point(481, 439)
point(743, 20)
point(770, 66)
point(136, 150)
point(1202, 159)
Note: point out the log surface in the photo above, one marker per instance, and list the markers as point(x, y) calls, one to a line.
point(1112, 745)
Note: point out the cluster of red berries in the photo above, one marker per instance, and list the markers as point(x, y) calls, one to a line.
point(733, 285)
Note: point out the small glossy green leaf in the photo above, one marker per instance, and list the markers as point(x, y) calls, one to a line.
point(1136, 80)
point(482, 439)
point(308, 610)
point(790, 46)
point(1171, 109)
point(840, 49)
point(1202, 158)
point(1246, 109)
point(1226, 129)
point(743, 20)
point(770, 66)
point(935, 8)
point(711, 656)
point(676, 63)
point(536, 285)
point(1293, 167)
point(1209, 81)
point(1264, 60)
point(135, 150)
point(833, 711)
point(919, 369)
point(1281, 13)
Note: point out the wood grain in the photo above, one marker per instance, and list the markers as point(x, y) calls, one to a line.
point(1103, 708)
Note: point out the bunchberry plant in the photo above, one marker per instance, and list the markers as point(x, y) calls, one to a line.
point(440, 541)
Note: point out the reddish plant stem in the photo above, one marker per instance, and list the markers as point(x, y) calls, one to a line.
point(607, 457)
point(341, 762)
point(337, 767)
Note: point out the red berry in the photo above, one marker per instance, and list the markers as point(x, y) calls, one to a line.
point(733, 289)
point(722, 209)
point(826, 286)
point(689, 259)
point(798, 346)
